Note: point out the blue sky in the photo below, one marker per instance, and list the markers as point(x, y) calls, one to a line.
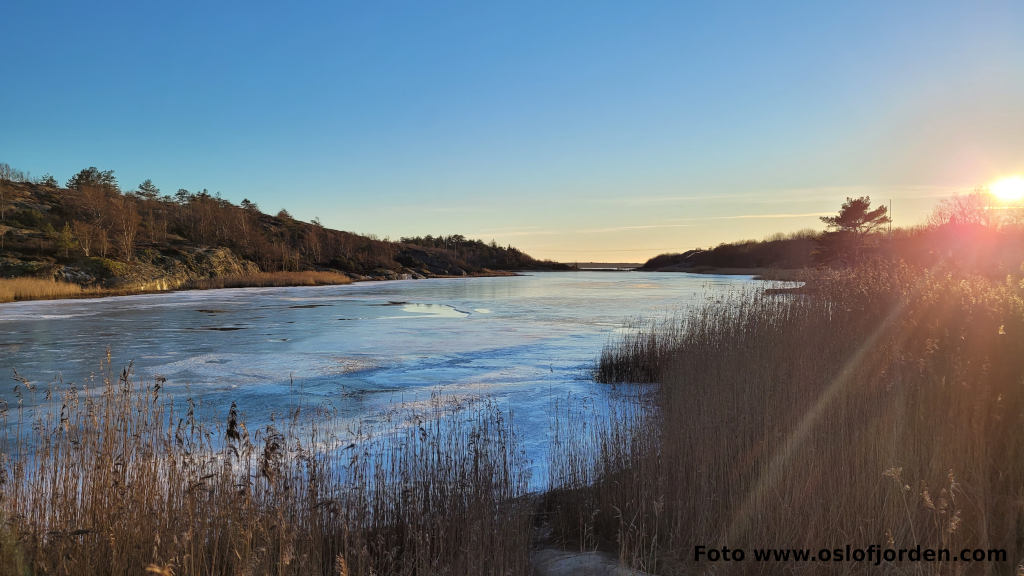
point(575, 130)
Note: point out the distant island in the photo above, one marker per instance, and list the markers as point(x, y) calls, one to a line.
point(90, 236)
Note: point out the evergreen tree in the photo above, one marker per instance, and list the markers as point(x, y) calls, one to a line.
point(92, 176)
point(148, 190)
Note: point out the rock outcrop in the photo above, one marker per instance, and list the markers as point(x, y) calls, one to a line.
point(153, 271)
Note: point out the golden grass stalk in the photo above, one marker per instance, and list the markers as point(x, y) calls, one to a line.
point(272, 279)
point(12, 289)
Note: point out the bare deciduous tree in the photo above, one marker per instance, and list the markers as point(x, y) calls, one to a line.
point(973, 208)
point(126, 223)
point(86, 234)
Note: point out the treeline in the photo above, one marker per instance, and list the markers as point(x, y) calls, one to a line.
point(779, 251)
point(92, 217)
point(478, 254)
point(971, 232)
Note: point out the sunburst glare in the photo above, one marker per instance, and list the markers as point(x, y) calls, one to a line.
point(1008, 189)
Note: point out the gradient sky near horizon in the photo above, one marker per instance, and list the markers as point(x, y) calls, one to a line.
point(578, 131)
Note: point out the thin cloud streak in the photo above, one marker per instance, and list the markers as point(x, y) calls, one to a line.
point(538, 232)
point(626, 200)
point(525, 231)
point(808, 193)
point(769, 216)
point(457, 210)
point(628, 228)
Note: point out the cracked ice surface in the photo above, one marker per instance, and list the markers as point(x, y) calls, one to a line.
point(364, 349)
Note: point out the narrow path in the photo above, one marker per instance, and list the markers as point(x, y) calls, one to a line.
point(554, 562)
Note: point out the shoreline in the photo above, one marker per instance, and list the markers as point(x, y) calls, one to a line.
point(759, 273)
point(255, 282)
point(269, 280)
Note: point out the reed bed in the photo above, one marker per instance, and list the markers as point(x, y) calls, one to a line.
point(123, 479)
point(887, 408)
point(12, 289)
point(271, 279)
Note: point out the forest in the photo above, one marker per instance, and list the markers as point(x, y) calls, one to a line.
point(92, 232)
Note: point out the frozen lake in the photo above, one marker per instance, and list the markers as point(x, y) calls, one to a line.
point(524, 341)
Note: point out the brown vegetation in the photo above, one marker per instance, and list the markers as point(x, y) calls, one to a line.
point(12, 289)
point(125, 479)
point(886, 409)
point(75, 232)
point(266, 279)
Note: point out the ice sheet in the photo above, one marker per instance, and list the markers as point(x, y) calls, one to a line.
point(527, 341)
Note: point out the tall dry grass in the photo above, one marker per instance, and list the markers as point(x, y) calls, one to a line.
point(887, 408)
point(126, 480)
point(12, 289)
point(271, 279)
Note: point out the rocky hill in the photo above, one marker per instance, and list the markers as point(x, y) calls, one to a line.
point(91, 233)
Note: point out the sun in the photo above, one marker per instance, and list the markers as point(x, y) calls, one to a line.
point(1008, 189)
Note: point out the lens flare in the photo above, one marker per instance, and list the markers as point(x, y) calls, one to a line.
point(1008, 189)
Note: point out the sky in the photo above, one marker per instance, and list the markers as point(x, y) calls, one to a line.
point(577, 131)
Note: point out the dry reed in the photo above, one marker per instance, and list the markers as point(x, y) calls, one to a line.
point(12, 289)
point(124, 479)
point(271, 279)
point(886, 409)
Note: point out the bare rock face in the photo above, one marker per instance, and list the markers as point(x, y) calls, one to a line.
point(74, 275)
point(216, 262)
point(154, 271)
